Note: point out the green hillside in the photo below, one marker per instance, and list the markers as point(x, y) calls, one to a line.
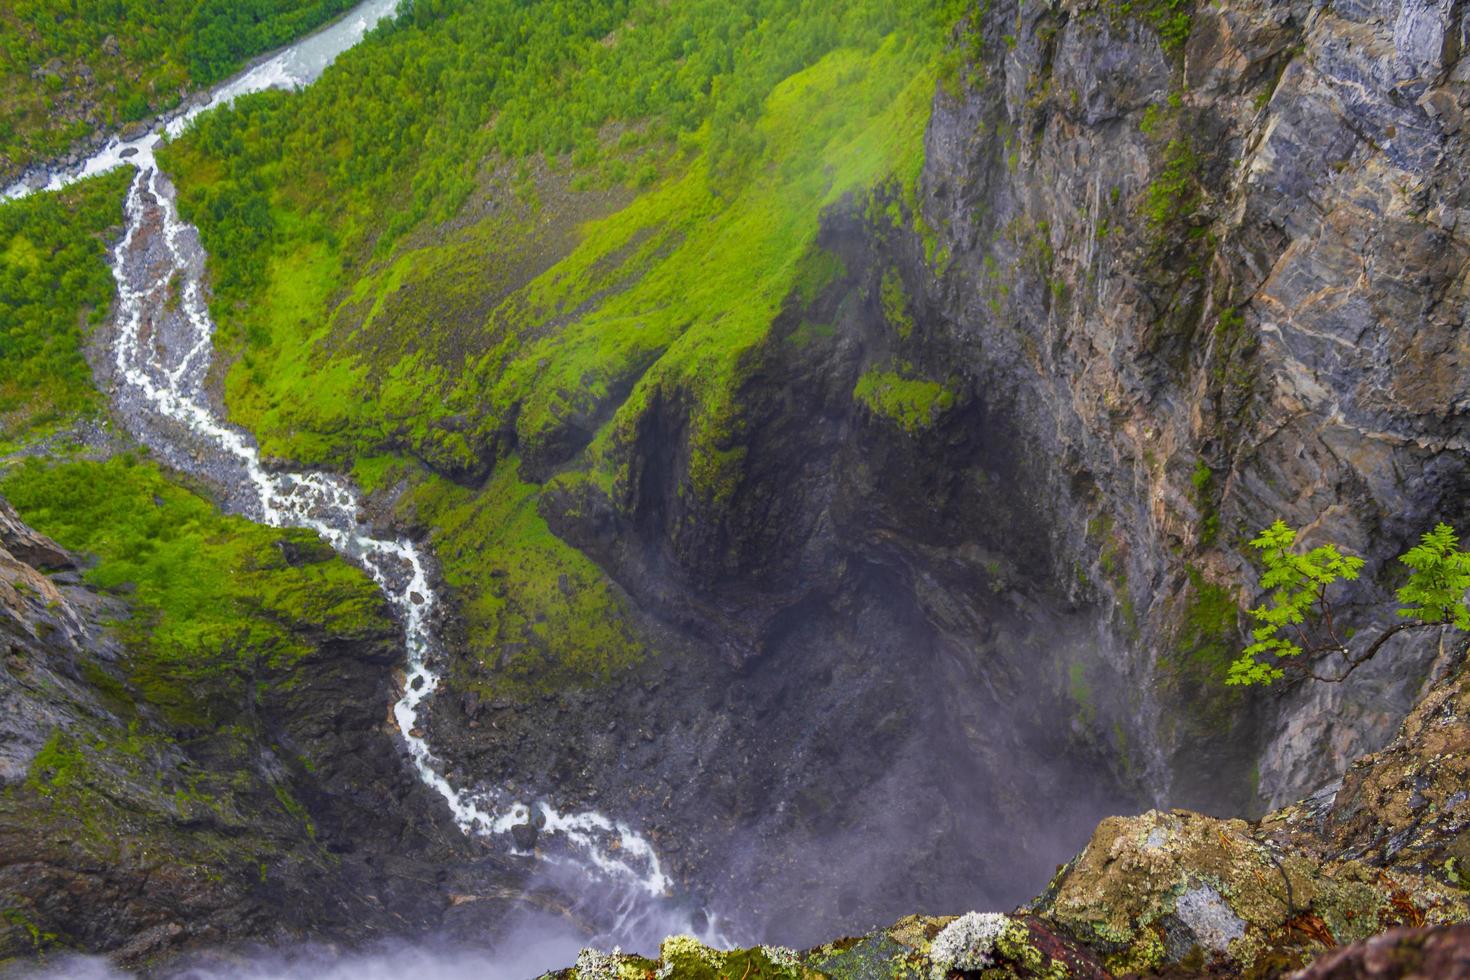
point(467, 247)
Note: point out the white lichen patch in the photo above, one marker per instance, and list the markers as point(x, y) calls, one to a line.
point(967, 943)
point(782, 958)
point(593, 964)
point(1211, 919)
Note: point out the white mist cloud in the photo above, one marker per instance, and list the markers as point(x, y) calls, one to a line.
point(524, 953)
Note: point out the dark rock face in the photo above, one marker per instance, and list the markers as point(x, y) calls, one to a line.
point(1218, 284)
point(858, 664)
point(126, 833)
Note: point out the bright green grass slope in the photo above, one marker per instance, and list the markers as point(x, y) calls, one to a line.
point(502, 231)
point(54, 287)
point(70, 67)
point(213, 598)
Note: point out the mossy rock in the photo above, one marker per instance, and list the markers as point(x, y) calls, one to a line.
point(1166, 889)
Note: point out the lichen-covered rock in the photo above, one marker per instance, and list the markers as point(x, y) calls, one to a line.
point(1184, 889)
point(1405, 807)
point(1408, 806)
point(984, 945)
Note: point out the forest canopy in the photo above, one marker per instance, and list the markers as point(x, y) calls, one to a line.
point(72, 67)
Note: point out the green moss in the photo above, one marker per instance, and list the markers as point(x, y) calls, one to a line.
point(688, 958)
point(1080, 690)
point(293, 807)
point(895, 302)
point(1172, 19)
point(1173, 195)
point(1120, 742)
point(818, 269)
point(1206, 641)
point(213, 597)
point(1202, 482)
point(39, 938)
point(1212, 624)
point(914, 404)
point(874, 956)
point(58, 766)
point(809, 333)
point(540, 615)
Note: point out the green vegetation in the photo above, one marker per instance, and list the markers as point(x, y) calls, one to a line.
point(1172, 19)
point(214, 601)
point(1202, 483)
point(895, 303)
point(682, 956)
point(1080, 691)
point(57, 766)
point(309, 253)
point(71, 67)
point(545, 616)
point(1298, 617)
point(915, 404)
point(1198, 659)
point(54, 286)
point(463, 251)
point(39, 938)
point(1172, 196)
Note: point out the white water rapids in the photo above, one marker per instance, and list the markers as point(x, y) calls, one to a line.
point(163, 347)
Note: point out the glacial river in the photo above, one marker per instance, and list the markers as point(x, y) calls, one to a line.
point(162, 347)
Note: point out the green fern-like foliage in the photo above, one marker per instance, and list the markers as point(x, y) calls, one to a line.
point(1298, 617)
point(1435, 592)
point(1299, 585)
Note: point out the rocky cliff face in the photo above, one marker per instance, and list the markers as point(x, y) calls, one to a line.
point(1170, 272)
point(127, 832)
point(1211, 258)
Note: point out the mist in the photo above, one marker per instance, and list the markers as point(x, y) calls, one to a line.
point(531, 947)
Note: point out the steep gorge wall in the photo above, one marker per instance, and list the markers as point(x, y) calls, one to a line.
point(1218, 280)
point(996, 476)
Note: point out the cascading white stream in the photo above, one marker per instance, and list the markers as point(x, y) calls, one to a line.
point(168, 375)
point(161, 361)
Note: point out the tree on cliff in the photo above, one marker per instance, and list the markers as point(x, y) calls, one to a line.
point(1297, 625)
